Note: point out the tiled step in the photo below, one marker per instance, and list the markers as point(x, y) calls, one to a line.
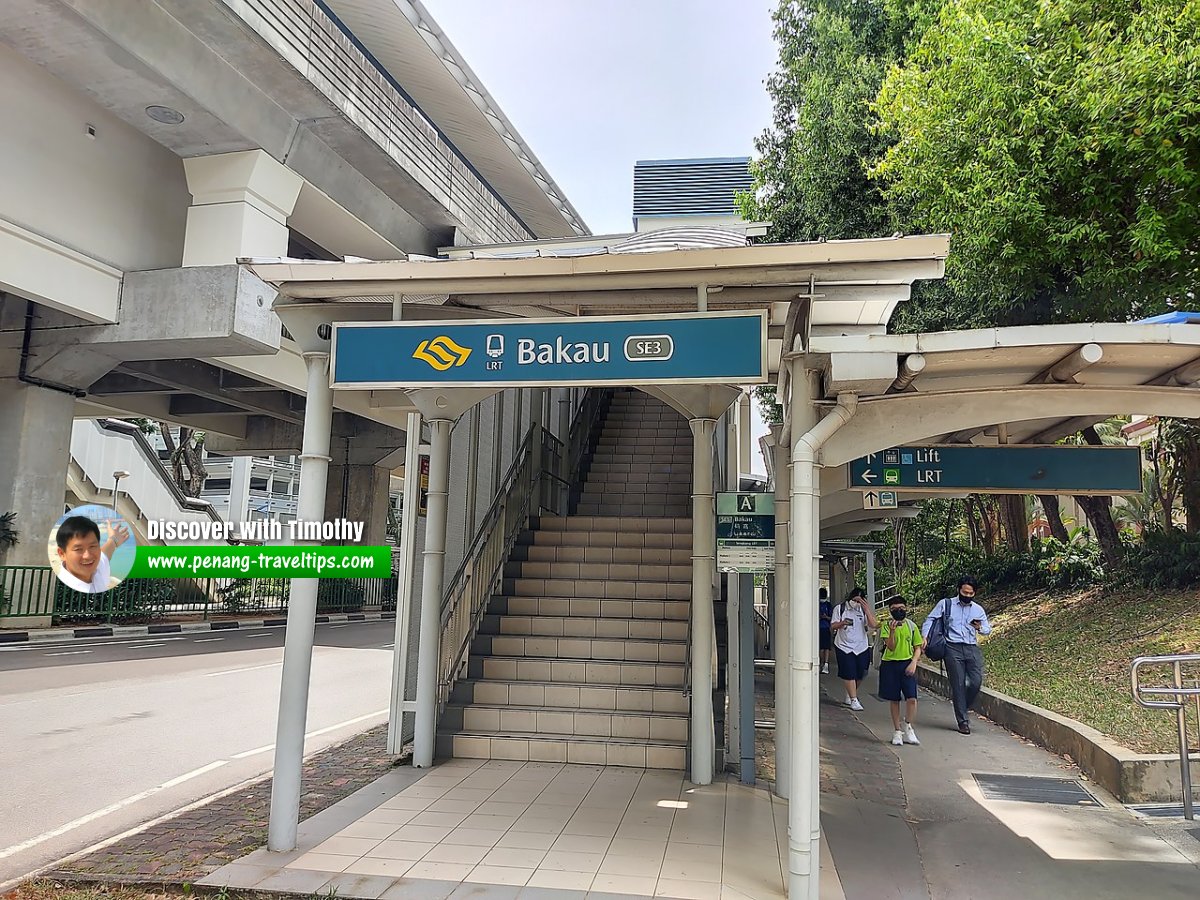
point(592, 571)
point(654, 468)
point(593, 673)
point(672, 525)
point(633, 509)
point(587, 697)
point(648, 493)
point(636, 482)
point(656, 556)
point(563, 749)
point(610, 628)
point(586, 588)
point(595, 649)
point(611, 539)
point(583, 607)
point(629, 726)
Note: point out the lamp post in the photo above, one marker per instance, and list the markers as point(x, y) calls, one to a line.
point(117, 476)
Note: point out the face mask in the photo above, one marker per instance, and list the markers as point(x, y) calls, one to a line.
point(899, 614)
point(963, 598)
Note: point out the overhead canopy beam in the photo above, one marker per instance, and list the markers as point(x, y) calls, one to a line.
point(1065, 370)
point(189, 376)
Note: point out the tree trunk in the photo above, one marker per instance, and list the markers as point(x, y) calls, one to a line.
point(1054, 517)
point(1016, 526)
point(185, 455)
point(1099, 512)
point(989, 531)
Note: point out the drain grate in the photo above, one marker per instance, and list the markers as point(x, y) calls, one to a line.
point(1035, 789)
point(1161, 811)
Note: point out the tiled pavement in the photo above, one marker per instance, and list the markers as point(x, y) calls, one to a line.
point(503, 829)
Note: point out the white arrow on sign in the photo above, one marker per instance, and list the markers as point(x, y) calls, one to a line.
point(868, 476)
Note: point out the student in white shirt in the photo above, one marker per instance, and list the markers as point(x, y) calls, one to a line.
point(852, 623)
point(85, 561)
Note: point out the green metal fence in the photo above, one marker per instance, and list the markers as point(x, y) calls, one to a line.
point(35, 591)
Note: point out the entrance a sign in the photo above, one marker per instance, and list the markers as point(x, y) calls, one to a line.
point(1011, 469)
point(745, 532)
point(708, 348)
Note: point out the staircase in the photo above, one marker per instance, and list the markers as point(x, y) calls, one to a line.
point(581, 659)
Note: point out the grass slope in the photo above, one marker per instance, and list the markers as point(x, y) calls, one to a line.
point(1071, 652)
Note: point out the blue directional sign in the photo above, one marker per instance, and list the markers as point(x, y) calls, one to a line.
point(709, 348)
point(1011, 469)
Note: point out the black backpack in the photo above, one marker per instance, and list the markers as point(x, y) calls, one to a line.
point(939, 633)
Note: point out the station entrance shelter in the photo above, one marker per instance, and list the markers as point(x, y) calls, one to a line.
point(847, 389)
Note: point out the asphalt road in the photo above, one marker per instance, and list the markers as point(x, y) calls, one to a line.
point(99, 736)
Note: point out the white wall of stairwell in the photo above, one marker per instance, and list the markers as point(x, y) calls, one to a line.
point(582, 658)
point(97, 452)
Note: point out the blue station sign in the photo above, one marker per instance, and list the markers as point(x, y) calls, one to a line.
point(708, 348)
point(1008, 469)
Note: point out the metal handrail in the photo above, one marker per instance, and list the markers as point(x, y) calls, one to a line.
point(538, 465)
point(1144, 697)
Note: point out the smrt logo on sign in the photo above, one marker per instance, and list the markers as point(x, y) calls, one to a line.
point(441, 353)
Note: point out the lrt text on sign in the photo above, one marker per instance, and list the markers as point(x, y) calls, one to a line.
point(1011, 469)
point(709, 348)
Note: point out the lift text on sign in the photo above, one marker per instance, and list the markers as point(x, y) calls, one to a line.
point(707, 348)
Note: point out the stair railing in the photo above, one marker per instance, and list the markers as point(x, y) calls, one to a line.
point(478, 577)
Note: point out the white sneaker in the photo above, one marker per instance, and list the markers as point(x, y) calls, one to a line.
point(910, 736)
point(847, 700)
point(854, 704)
point(897, 738)
point(825, 669)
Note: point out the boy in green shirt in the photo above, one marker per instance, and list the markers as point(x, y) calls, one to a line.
point(902, 644)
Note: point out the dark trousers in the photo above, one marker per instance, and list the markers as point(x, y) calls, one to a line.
point(964, 668)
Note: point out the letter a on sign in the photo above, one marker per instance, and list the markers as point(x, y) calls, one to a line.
point(745, 503)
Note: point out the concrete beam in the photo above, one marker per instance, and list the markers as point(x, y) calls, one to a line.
point(355, 441)
point(191, 376)
point(899, 419)
point(227, 310)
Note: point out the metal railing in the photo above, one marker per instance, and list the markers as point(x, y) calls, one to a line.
point(35, 591)
point(1173, 696)
point(470, 590)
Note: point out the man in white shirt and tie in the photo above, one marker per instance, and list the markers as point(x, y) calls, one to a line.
point(964, 659)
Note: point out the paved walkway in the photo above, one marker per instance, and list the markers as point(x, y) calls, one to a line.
point(913, 821)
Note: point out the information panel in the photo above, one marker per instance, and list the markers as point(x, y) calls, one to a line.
point(745, 532)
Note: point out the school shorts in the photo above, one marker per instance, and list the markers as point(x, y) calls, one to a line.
point(826, 639)
point(852, 666)
point(894, 682)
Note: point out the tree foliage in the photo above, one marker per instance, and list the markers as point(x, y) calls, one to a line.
point(1060, 144)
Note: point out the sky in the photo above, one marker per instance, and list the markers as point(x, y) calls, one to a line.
point(594, 86)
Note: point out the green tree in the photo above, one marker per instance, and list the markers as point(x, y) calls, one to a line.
point(1060, 144)
point(9, 536)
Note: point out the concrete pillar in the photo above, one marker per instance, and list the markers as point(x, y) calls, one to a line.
point(781, 641)
point(35, 450)
point(564, 415)
point(360, 493)
point(239, 489)
point(704, 560)
point(404, 585)
point(301, 617)
point(428, 652)
point(240, 205)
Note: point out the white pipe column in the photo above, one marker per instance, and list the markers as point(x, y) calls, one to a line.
point(404, 583)
point(704, 563)
point(433, 574)
point(803, 806)
point(302, 614)
point(780, 636)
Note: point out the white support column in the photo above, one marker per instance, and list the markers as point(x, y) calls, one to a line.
point(781, 638)
point(404, 581)
point(428, 650)
point(302, 614)
point(804, 802)
point(704, 560)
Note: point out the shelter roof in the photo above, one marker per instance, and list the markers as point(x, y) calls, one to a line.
point(836, 286)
